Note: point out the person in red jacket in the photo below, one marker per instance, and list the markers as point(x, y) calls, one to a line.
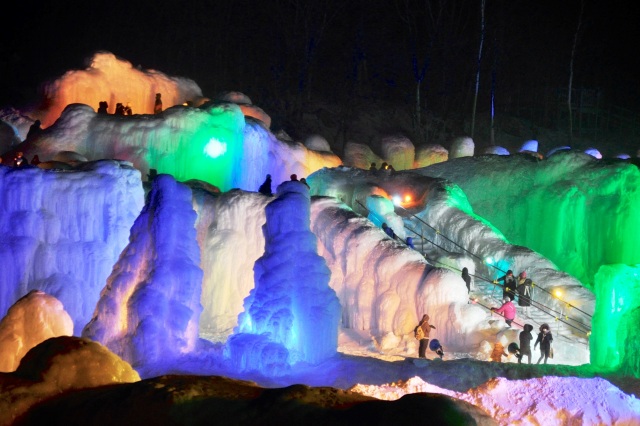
point(507, 309)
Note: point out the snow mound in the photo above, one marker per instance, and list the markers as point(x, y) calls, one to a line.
point(31, 320)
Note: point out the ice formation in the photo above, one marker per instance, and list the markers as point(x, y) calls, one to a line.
point(571, 208)
point(111, 79)
point(462, 147)
point(33, 319)
point(398, 151)
point(62, 232)
point(229, 230)
point(57, 365)
point(150, 308)
point(615, 341)
point(430, 154)
point(292, 314)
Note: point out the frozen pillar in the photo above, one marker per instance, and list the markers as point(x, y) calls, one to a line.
point(292, 314)
point(614, 341)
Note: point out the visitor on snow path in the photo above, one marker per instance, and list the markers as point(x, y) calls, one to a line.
point(544, 338)
point(421, 333)
point(507, 309)
point(509, 284)
point(525, 343)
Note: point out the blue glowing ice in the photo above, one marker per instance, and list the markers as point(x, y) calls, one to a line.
point(292, 314)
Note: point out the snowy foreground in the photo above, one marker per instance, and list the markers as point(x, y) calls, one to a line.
point(192, 298)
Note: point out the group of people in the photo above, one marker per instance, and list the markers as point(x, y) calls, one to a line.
point(121, 109)
point(520, 287)
point(21, 161)
point(545, 338)
point(265, 188)
point(383, 167)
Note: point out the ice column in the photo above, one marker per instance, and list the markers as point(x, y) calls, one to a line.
point(150, 308)
point(292, 314)
point(614, 340)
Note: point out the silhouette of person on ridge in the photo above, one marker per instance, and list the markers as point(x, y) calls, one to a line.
point(265, 188)
point(34, 130)
point(119, 109)
point(157, 107)
point(103, 107)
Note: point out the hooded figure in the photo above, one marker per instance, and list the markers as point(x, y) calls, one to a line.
point(525, 343)
point(421, 332)
point(544, 338)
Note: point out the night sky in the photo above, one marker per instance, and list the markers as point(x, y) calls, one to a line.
point(277, 49)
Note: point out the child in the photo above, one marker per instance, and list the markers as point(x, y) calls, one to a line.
point(437, 348)
point(498, 352)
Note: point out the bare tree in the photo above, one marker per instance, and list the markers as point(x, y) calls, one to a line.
point(570, 86)
point(477, 88)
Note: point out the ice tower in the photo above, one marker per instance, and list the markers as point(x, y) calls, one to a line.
point(292, 314)
point(150, 308)
point(614, 341)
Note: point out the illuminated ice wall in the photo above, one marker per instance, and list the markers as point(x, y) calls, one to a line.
point(292, 315)
point(615, 343)
point(114, 80)
point(149, 309)
point(61, 232)
point(575, 210)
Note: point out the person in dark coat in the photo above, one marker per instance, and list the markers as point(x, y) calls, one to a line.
point(509, 284)
point(35, 160)
point(544, 339)
point(103, 107)
point(525, 343)
point(294, 177)
point(524, 292)
point(265, 188)
point(303, 180)
point(467, 278)
point(421, 333)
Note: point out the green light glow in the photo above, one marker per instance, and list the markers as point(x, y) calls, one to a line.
point(207, 147)
point(614, 340)
point(215, 148)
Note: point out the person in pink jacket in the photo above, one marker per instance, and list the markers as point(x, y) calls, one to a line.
point(507, 309)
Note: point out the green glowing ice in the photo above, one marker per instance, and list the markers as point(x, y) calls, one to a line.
point(200, 143)
point(614, 342)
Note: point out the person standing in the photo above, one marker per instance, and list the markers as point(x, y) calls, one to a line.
point(525, 343)
point(421, 332)
point(509, 284)
point(157, 106)
point(507, 309)
point(467, 278)
point(265, 188)
point(544, 339)
point(524, 292)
